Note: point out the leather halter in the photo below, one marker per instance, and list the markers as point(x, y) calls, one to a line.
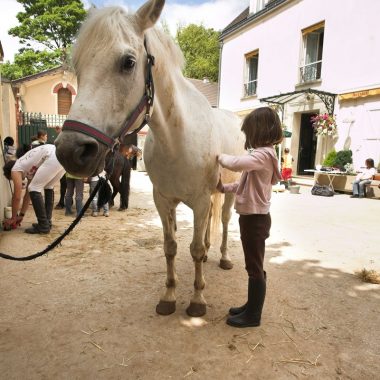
point(146, 103)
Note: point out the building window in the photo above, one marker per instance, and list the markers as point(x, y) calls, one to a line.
point(252, 64)
point(311, 67)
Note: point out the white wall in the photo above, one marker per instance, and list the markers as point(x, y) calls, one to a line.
point(7, 128)
point(351, 52)
point(359, 129)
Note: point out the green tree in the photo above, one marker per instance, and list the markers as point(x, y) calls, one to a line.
point(30, 62)
point(200, 47)
point(53, 25)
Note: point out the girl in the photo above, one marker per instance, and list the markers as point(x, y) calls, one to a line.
point(363, 178)
point(42, 169)
point(262, 128)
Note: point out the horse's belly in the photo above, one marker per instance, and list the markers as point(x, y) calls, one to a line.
point(178, 182)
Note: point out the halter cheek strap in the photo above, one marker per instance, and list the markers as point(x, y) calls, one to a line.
point(145, 103)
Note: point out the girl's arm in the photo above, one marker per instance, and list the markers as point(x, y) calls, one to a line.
point(17, 192)
point(248, 162)
point(228, 187)
point(25, 203)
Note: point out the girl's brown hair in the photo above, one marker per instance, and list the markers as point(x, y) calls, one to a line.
point(262, 127)
point(370, 163)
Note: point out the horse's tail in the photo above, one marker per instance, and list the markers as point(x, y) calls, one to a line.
point(216, 215)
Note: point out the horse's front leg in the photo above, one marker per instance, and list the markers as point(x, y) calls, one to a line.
point(197, 306)
point(225, 261)
point(166, 210)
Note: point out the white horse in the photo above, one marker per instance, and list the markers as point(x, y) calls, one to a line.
point(113, 62)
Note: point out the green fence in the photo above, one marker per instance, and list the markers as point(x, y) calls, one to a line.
point(31, 123)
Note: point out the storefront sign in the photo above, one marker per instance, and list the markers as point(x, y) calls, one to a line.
point(360, 94)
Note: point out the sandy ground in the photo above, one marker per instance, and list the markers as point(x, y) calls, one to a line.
point(87, 310)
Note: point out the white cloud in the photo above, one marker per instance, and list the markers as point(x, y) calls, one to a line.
point(8, 12)
point(215, 14)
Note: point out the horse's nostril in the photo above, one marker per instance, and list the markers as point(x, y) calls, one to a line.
point(86, 152)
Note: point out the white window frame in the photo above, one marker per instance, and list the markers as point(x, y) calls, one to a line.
point(311, 71)
point(250, 85)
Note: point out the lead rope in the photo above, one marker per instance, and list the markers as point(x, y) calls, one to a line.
point(102, 181)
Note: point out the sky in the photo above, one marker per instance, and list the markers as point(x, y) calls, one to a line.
point(216, 14)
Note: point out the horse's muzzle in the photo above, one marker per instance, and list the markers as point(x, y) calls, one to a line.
point(79, 154)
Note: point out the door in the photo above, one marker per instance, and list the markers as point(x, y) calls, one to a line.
point(307, 145)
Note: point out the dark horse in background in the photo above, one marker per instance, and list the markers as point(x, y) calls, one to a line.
point(120, 172)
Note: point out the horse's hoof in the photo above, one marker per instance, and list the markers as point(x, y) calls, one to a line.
point(121, 209)
point(196, 309)
point(226, 264)
point(165, 307)
point(204, 258)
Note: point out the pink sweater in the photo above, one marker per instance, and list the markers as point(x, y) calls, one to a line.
point(260, 172)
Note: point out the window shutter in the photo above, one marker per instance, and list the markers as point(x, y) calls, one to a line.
point(64, 101)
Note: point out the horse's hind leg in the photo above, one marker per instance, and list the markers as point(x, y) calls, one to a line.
point(225, 261)
point(166, 210)
point(197, 306)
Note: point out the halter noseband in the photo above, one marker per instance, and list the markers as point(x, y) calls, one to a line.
point(146, 103)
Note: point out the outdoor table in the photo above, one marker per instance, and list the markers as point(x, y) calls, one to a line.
point(330, 175)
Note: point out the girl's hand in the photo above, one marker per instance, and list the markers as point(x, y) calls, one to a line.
point(19, 219)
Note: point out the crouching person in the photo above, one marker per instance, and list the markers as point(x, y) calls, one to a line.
point(42, 169)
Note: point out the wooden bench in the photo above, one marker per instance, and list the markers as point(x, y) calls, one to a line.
point(373, 189)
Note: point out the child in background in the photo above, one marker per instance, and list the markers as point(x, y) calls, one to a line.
point(262, 128)
point(9, 149)
point(94, 204)
point(286, 166)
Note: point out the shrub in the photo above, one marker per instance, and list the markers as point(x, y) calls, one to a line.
point(343, 157)
point(330, 159)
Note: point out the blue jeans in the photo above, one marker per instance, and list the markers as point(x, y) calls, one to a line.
point(77, 185)
point(358, 187)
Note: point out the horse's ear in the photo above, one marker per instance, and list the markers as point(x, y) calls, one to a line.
point(149, 13)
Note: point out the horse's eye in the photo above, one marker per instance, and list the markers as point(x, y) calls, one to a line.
point(128, 63)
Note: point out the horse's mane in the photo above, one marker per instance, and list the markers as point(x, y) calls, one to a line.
point(108, 26)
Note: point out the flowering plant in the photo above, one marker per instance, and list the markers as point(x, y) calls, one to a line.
point(349, 168)
point(324, 124)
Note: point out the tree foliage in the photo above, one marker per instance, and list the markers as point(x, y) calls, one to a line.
point(200, 47)
point(29, 62)
point(51, 24)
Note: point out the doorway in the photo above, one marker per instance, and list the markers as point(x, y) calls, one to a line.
point(307, 145)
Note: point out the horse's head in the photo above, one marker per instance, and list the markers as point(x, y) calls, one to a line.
point(112, 66)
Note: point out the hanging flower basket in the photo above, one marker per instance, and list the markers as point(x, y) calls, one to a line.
point(324, 125)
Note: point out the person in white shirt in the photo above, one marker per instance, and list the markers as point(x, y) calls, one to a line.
point(42, 169)
point(363, 178)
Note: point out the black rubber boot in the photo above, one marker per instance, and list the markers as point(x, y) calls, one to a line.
point(49, 204)
point(240, 309)
point(39, 209)
point(251, 316)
